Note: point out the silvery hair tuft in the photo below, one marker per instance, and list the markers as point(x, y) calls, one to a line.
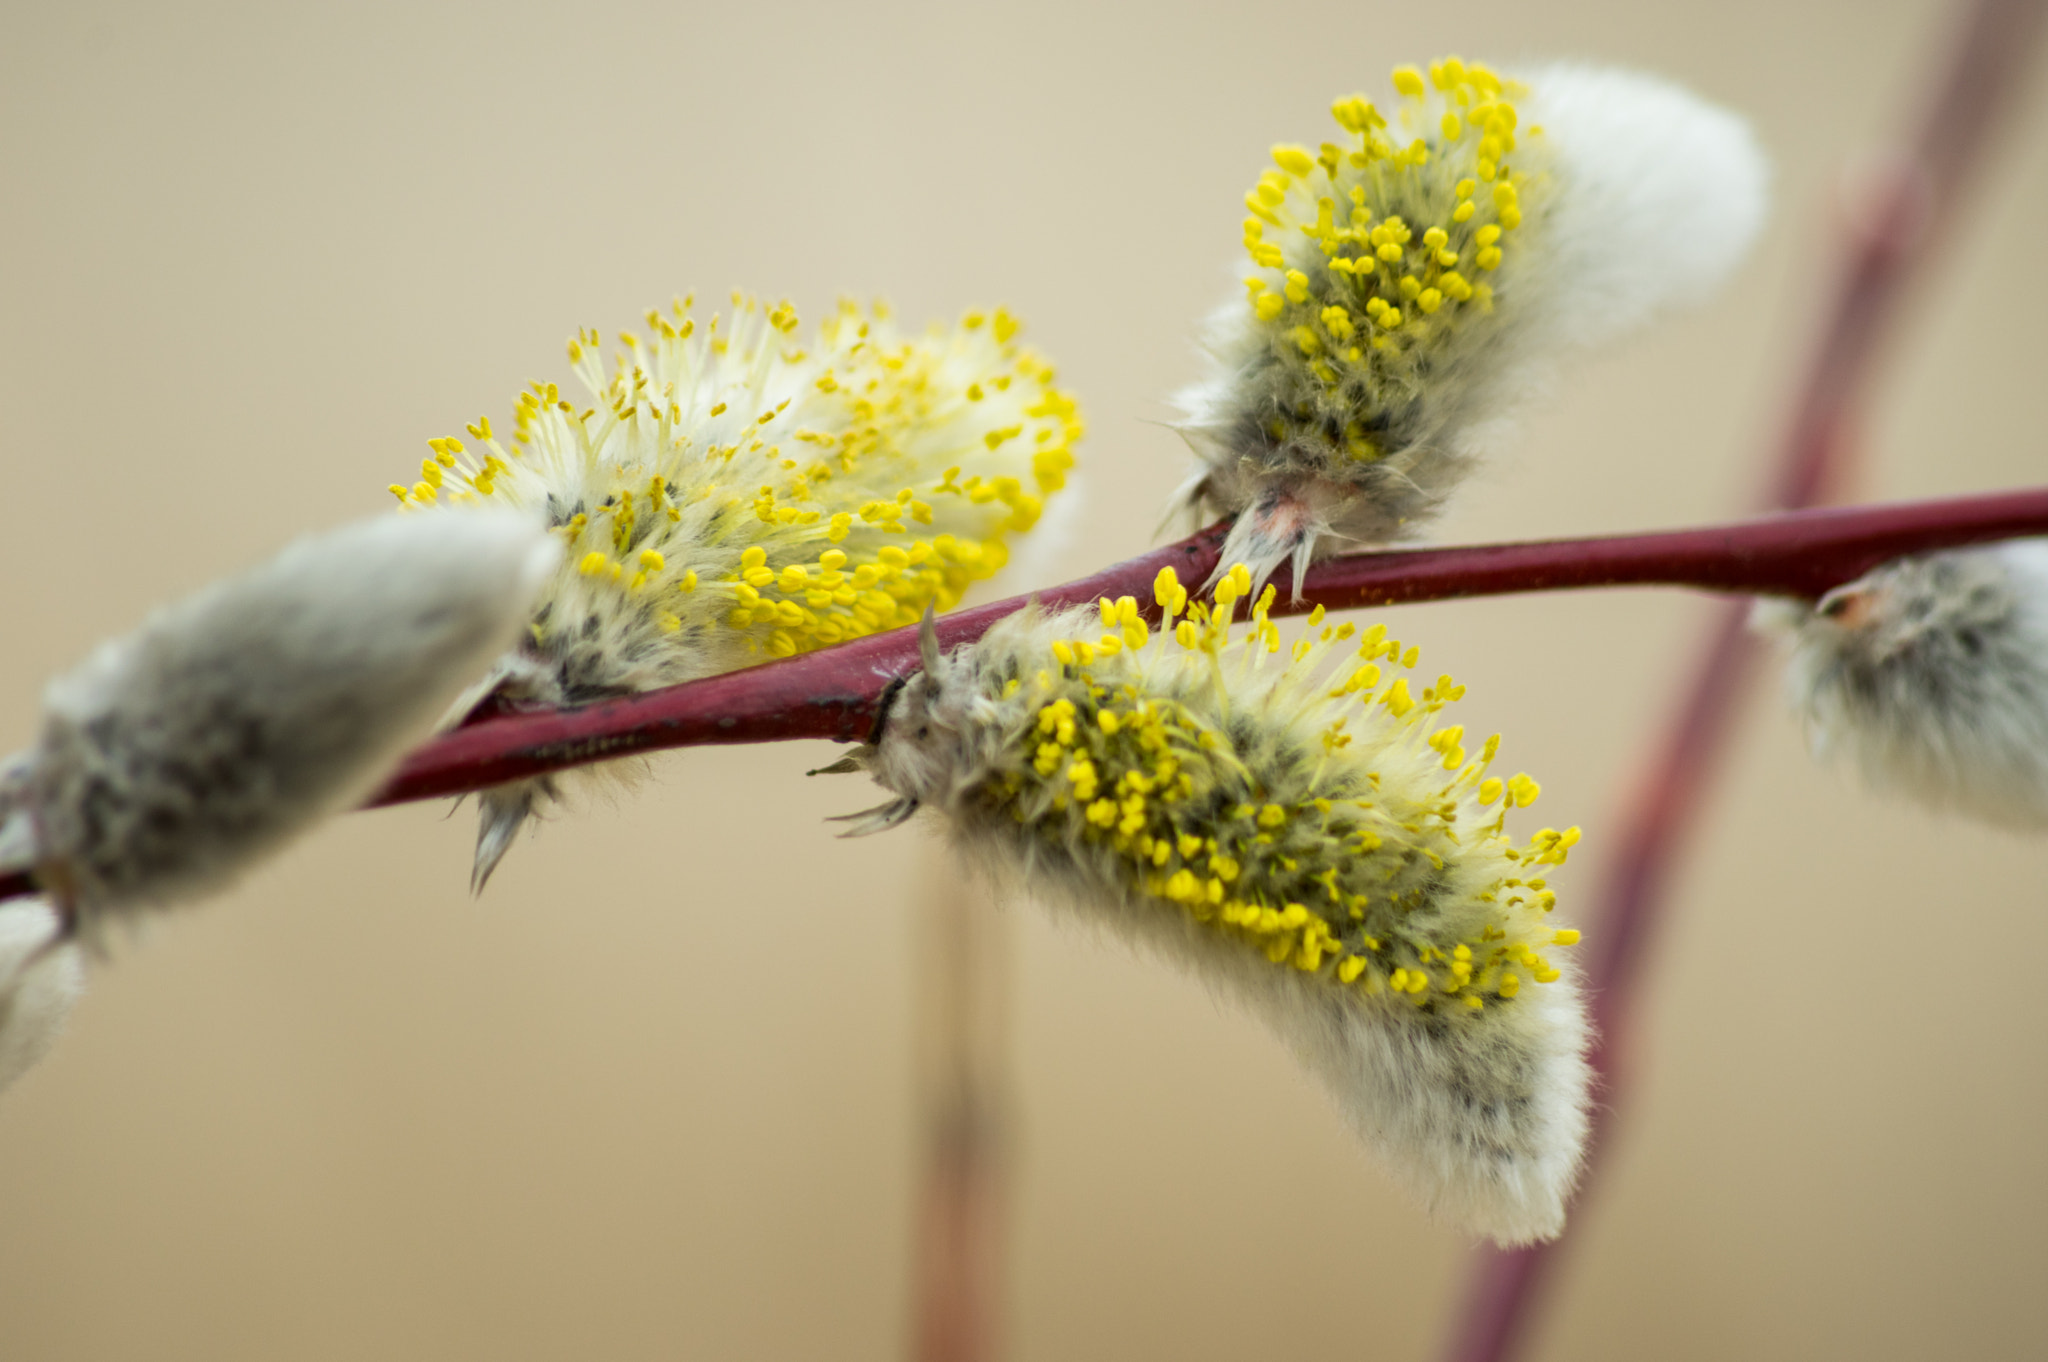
point(1930, 675)
point(41, 976)
point(175, 757)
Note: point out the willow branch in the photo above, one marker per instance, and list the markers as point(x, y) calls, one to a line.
point(833, 693)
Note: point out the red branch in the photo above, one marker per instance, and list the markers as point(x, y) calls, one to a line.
point(832, 693)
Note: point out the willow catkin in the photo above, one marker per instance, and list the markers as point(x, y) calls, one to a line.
point(733, 494)
point(177, 756)
point(1930, 676)
point(1412, 281)
point(1314, 844)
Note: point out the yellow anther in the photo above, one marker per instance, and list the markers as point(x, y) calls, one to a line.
point(592, 564)
point(1408, 80)
point(1294, 160)
point(652, 560)
point(1356, 114)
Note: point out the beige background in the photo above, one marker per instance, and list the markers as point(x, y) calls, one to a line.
point(251, 258)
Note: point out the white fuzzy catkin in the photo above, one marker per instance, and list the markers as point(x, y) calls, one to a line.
point(174, 758)
point(1930, 675)
point(1310, 844)
point(736, 494)
point(41, 977)
point(1413, 284)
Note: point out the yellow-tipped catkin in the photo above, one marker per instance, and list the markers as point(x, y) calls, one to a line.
point(1310, 836)
point(1420, 271)
point(735, 491)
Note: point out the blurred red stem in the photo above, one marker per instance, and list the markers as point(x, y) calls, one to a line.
point(957, 1267)
point(1906, 214)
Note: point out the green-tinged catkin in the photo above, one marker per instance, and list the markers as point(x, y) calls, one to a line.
point(1413, 280)
point(1316, 840)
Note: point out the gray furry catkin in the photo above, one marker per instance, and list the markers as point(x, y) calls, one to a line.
point(174, 758)
point(1930, 675)
point(1315, 845)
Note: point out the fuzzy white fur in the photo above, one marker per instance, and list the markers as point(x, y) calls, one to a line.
point(1930, 675)
point(1482, 1114)
point(1481, 1119)
point(1662, 194)
point(41, 978)
point(175, 757)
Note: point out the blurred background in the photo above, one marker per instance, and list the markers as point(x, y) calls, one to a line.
point(252, 257)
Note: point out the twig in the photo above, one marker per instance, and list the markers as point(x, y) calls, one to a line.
point(956, 1273)
point(833, 693)
point(1907, 213)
